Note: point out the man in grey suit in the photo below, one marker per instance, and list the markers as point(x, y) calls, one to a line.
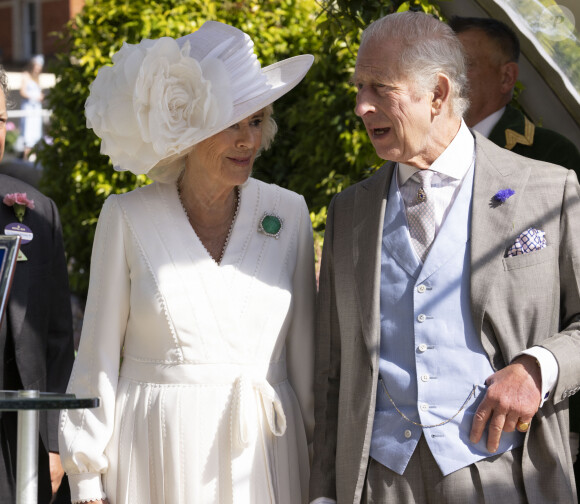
point(449, 303)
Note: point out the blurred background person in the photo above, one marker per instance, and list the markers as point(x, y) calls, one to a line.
point(199, 322)
point(32, 97)
point(36, 335)
point(492, 52)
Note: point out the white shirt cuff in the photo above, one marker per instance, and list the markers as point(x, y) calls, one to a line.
point(323, 500)
point(85, 487)
point(548, 369)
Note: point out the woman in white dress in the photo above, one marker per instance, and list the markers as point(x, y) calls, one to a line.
point(198, 330)
point(32, 97)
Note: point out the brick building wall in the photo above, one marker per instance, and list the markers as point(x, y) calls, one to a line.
point(17, 43)
point(6, 53)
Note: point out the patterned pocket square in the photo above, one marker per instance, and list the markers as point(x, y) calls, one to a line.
point(530, 240)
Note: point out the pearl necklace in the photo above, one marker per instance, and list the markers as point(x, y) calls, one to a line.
point(237, 200)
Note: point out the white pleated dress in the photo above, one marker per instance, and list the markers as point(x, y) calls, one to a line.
point(204, 371)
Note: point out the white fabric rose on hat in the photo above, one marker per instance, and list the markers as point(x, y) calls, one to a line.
point(155, 102)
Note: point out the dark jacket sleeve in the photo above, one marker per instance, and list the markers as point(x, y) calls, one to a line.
point(60, 345)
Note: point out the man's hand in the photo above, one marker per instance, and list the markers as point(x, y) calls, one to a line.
point(513, 394)
point(56, 471)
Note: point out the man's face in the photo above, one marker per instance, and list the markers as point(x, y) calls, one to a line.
point(3, 121)
point(397, 118)
point(485, 62)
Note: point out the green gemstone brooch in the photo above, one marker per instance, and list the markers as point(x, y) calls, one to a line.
point(271, 225)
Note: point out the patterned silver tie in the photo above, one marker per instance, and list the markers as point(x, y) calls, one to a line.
point(420, 211)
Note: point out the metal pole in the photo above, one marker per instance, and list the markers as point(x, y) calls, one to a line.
point(27, 453)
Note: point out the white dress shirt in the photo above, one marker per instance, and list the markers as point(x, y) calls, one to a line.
point(486, 125)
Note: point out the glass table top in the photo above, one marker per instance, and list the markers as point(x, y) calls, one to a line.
point(13, 400)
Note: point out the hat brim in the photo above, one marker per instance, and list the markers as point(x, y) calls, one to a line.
point(281, 77)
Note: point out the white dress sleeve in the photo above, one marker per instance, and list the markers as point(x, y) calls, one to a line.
point(300, 339)
point(84, 433)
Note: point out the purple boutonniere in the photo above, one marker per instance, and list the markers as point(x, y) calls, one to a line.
point(19, 202)
point(503, 194)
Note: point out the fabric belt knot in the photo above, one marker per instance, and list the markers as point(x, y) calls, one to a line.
point(420, 207)
point(244, 410)
point(247, 436)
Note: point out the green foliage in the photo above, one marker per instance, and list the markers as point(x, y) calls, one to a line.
point(76, 175)
point(12, 134)
point(566, 54)
point(555, 32)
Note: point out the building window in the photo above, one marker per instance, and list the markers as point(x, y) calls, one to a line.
point(31, 28)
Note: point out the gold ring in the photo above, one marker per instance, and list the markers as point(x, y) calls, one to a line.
point(522, 426)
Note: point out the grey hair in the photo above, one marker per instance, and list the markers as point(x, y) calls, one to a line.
point(427, 47)
point(269, 127)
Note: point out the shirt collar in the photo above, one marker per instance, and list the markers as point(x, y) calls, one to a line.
point(486, 125)
point(453, 162)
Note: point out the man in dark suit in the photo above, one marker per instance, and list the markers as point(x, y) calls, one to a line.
point(492, 50)
point(36, 336)
point(448, 338)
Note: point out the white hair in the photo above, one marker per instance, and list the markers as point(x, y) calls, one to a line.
point(269, 128)
point(427, 47)
point(4, 82)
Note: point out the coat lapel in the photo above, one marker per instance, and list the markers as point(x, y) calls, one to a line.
point(369, 211)
point(492, 224)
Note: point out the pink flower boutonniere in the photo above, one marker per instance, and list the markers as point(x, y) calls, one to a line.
point(19, 202)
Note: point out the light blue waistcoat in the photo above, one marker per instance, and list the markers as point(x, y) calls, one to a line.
point(431, 357)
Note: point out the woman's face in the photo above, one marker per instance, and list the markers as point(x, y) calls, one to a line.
point(36, 68)
point(227, 157)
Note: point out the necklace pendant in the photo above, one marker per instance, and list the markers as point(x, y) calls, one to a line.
point(421, 195)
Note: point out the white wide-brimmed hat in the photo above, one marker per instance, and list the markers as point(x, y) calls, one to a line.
point(161, 97)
